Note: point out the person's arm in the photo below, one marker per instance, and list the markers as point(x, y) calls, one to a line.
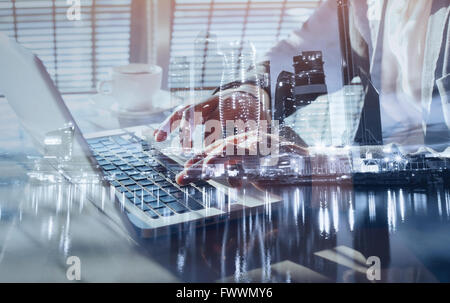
point(443, 85)
point(320, 32)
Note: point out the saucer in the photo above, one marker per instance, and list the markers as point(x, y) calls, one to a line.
point(109, 103)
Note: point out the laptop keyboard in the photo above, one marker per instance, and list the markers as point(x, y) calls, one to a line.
point(146, 177)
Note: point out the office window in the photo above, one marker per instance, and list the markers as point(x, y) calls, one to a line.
point(76, 53)
point(199, 27)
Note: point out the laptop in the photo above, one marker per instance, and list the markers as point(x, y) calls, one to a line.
point(140, 173)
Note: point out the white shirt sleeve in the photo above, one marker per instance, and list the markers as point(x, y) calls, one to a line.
point(319, 33)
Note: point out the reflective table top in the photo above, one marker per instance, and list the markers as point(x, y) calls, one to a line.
point(317, 234)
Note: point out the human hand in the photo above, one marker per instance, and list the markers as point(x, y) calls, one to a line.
point(207, 112)
point(236, 157)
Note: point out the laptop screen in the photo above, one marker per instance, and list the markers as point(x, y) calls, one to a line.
point(40, 108)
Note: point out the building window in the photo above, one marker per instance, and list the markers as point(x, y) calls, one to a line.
point(200, 28)
point(76, 53)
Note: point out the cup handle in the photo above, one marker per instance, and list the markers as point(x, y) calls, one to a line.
point(100, 87)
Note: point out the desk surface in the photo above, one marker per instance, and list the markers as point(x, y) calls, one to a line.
point(315, 234)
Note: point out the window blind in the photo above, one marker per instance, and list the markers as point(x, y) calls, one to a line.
point(76, 53)
point(201, 29)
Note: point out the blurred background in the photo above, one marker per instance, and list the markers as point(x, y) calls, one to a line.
point(174, 34)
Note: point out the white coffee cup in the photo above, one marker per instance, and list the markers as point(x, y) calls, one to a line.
point(133, 85)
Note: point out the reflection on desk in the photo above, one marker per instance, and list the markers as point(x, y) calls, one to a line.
point(321, 233)
point(317, 233)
